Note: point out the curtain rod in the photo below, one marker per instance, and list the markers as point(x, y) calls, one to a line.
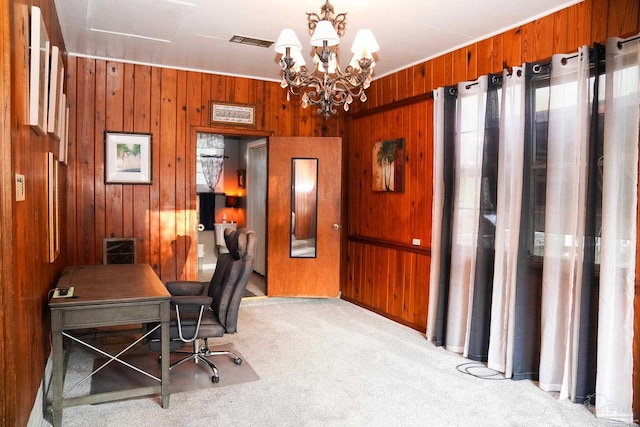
point(623, 42)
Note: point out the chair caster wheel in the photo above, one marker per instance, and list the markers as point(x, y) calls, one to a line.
point(237, 361)
point(215, 379)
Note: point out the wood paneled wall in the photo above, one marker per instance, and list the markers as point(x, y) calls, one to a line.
point(171, 105)
point(384, 271)
point(7, 355)
point(26, 275)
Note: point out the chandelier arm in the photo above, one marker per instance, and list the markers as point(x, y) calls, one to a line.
point(340, 23)
point(353, 78)
point(312, 19)
point(301, 80)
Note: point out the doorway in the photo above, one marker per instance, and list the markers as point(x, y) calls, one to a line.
point(213, 198)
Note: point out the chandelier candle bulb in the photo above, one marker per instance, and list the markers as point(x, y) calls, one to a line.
point(327, 86)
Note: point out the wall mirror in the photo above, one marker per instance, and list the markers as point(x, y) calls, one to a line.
point(304, 203)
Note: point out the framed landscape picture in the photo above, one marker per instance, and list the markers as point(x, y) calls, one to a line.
point(127, 158)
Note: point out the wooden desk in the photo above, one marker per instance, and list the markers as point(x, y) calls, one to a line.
point(108, 295)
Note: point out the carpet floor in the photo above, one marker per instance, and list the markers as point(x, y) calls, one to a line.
point(326, 362)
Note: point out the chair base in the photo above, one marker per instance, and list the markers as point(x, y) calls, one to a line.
point(201, 354)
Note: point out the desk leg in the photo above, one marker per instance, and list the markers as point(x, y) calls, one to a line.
point(164, 309)
point(58, 366)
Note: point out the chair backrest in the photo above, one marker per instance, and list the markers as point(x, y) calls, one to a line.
point(231, 276)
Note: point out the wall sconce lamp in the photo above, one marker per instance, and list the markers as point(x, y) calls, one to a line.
point(232, 201)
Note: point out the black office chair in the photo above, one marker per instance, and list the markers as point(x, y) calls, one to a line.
point(201, 310)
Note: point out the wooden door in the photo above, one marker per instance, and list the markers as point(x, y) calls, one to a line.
point(307, 276)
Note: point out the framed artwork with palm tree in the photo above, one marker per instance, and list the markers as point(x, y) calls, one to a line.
point(388, 165)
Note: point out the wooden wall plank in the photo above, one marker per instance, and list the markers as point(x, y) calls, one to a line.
point(438, 78)
point(128, 118)
point(194, 103)
point(449, 71)
point(485, 55)
point(167, 179)
point(599, 14)
point(113, 94)
point(85, 162)
point(623, 19)
point(185, 240)
point(418, 77)
point(71, 234)
point(154, 197)
point(512, 47)
point(141, 193)
point(206, 98)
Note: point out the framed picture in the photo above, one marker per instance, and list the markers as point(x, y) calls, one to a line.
point(53, 235)
point(63, 118)
point(127, 158)
point(39, 73)
point(388, 166)
point(55, 93)
point(236, 114)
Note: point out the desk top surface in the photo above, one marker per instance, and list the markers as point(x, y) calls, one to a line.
point(110, 284)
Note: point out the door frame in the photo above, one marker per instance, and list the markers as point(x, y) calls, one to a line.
point(192, 259)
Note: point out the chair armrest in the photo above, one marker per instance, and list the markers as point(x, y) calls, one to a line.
point(187, 288)
point(193, 302)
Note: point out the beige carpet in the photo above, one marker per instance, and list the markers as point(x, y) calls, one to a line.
point(188, 376)
point(329, 363)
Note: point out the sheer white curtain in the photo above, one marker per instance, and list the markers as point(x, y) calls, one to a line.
point(568, 279)
point(436, 207)
point(510, 166)
point(210, 149)
point(469, 140)
point(566, 193)
point(617, 260)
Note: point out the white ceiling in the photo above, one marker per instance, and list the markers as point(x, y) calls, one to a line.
point(194, 34)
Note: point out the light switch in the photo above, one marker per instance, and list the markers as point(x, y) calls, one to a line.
point(19, 187)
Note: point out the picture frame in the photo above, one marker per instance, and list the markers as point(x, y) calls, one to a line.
point(388, 166)
point(39, 73)
point(234, 114)
point(53, 197)
point(127, 158)
point(56, 83)
point(63, 117)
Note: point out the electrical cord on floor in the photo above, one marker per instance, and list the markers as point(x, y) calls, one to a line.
point(466, 368)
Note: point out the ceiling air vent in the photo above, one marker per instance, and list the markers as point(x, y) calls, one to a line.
point(250, 41)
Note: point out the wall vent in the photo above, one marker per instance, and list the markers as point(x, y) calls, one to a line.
point(251, 41)
point(119, 251)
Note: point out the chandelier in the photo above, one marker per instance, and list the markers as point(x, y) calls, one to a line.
point(327, 86)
